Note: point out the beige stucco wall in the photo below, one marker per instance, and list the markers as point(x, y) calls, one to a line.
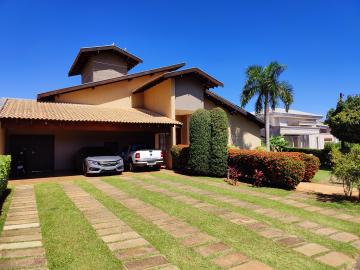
point(159, 99)
point(242, 132)
point(118, 94)
point(189, 95)
point(2, 141)
point(103, 66)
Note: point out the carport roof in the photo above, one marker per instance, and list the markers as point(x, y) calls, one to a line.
point(35, 110)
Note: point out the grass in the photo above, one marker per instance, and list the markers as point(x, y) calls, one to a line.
point(70, 242)
point(4, 206)
point(322, 177)
point(336, 202)
point(322, 219)
point(183, 257)
point(291, 229)
point(239, 237)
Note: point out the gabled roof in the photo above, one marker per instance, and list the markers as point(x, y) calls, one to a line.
point(51, 111)
point(84, 54)
point(222, 102)
point(49, 94)
point(208, 80)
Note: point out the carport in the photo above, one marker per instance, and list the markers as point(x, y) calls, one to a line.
point(45, 137)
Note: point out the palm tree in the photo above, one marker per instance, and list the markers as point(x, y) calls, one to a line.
point(264, 82)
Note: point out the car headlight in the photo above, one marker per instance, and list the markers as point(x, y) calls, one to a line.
point(92, 162)
point(120, 161)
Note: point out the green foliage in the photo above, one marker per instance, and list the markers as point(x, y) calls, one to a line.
point(285, 170)
point(344, 121)
point(218, 142)
point(5, 162)
point(264, 83)
point(322, 154)
point(278, 143)
point(199, 152)
point(347, 169)
point(180, 157)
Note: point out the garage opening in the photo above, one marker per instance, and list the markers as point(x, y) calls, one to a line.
point(32, 155)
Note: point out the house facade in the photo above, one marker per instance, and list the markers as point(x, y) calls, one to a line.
point(300, 129)
point(115, 108)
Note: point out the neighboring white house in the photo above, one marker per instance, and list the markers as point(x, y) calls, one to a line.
point(300, 129)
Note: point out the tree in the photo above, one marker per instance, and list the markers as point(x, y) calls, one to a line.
point(344, 120)
point(347, 169)
point(264, 82)
point(199, 148)
point(218, 142)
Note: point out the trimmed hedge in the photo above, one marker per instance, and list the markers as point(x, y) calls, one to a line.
point(5, 162)
point(323, 155)
point(279, 169)
point(180, 157)
point(218, 142)
point(200, 133)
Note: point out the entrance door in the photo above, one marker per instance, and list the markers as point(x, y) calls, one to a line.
point(32, 154)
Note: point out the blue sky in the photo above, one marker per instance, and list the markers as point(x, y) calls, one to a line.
point(319, 41)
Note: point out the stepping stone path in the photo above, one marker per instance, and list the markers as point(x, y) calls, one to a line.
point(128, 246)
point(314, 227)
point(20, 242)
point(222, 255)
point(297, 244)
point(288, 200)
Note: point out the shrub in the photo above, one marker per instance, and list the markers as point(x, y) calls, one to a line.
point(199, 150)
point(5, 162)
point(347, 169)
point(278, 169)
point(180, 157)
point(218, 142)
point(322, 154)
point(312, 165)
point(278, 143)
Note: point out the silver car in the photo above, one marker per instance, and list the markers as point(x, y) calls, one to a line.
point(97, 160)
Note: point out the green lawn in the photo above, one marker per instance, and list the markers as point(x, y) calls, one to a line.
point(323, 177)
point(69, 240)
point(71, 243)
point(4, 206)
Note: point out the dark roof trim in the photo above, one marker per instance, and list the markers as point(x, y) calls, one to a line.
point(84, 54)
point(209, 81)
point(233, 107)
point(47, 95)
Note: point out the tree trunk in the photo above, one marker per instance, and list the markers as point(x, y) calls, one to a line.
point(267, 123)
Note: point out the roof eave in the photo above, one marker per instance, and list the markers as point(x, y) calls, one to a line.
point(236, 108)
point(74, 69)
point(49, 94)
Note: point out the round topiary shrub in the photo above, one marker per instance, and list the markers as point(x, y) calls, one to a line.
point(199, 149)
point(218, 142)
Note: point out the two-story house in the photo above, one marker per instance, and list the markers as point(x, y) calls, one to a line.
point(115, 108)
point(300, 129)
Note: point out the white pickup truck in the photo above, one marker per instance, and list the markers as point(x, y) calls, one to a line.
point(141, 156)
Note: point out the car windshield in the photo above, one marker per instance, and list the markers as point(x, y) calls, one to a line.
point(97, 151)
point(137, 147)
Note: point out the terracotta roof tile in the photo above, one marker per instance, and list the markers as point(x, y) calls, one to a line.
point(35, 110)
